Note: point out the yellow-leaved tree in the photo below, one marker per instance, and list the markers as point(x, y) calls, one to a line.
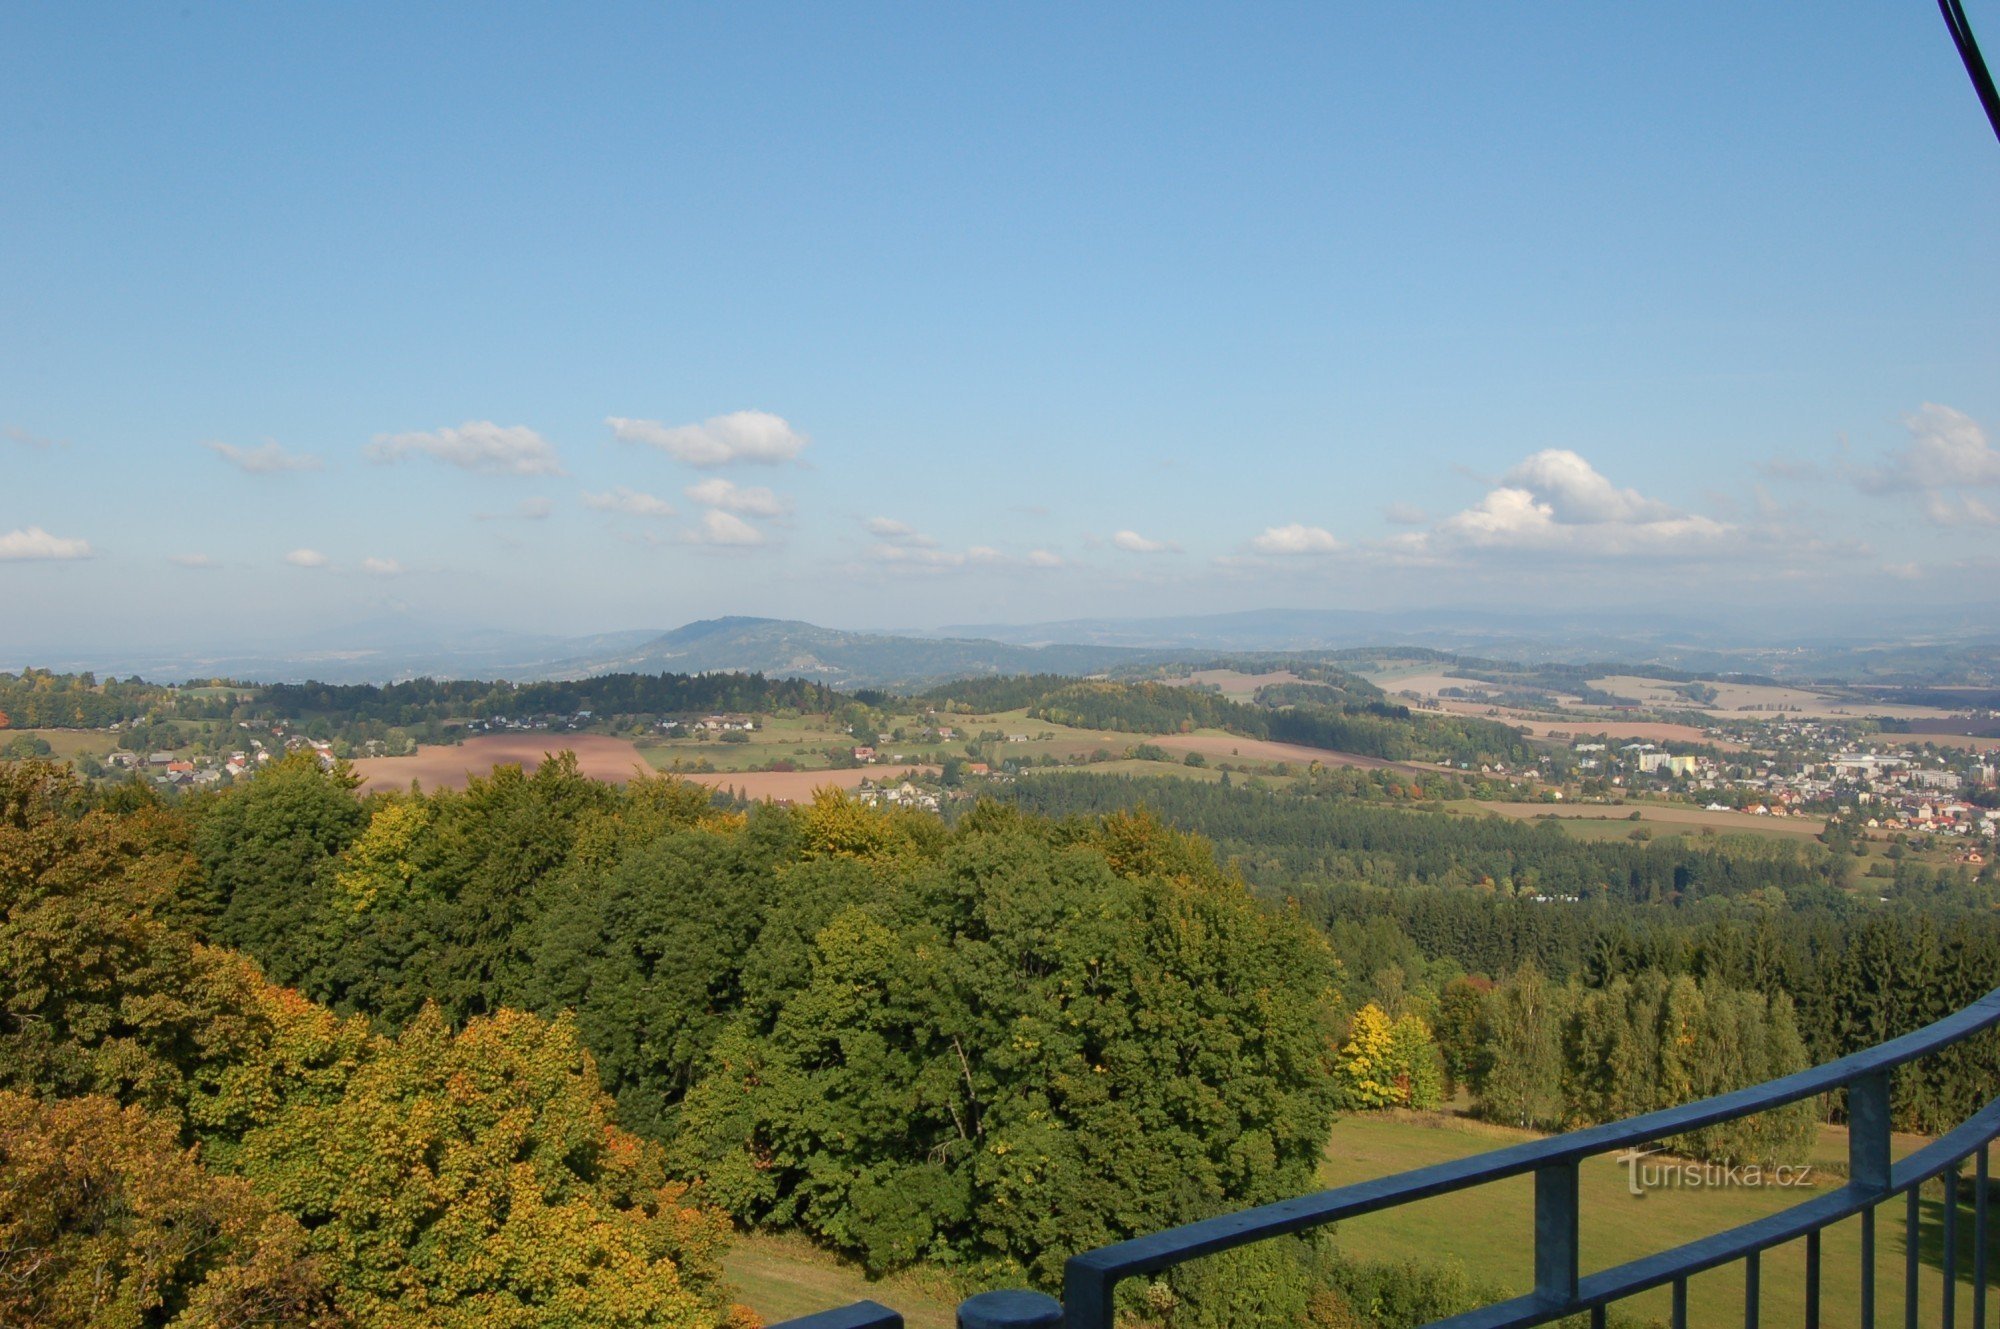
point(1365, 1065)
point(474, 1179)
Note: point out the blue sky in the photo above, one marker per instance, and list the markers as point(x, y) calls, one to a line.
point(584, 318)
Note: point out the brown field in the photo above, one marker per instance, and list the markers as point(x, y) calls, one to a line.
point(1970, 742)
point(797, 786)
point(449, 766)
point(1662, 814)
point(1264, 749)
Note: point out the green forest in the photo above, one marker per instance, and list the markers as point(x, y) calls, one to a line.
point(529, 1052)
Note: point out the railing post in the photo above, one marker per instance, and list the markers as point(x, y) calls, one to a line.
point(1010, 1309)
point(1087, 1292)
point(1868, 1133)
point(1556, 1232)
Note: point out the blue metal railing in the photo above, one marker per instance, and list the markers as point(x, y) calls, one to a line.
point(1090, 1280)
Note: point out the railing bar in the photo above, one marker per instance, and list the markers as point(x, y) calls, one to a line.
point(1868, 1268)
point(1720, 1248)
point(1910, 1258)
point(860, 1315)
point(1979, 1241)
point(1680, 1320)
point(1950, 1248)
point(1159, 1250)
point(1812, 1279)
point(1753, 1294)
point(1597, 1314)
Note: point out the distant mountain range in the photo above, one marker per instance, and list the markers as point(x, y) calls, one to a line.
point(398, 647)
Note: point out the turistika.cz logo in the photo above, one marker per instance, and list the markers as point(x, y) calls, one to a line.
point(1655, 1170)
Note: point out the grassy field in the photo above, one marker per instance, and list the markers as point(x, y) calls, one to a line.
point(1490, 1229)
point(780, 1277)
point(69, 744)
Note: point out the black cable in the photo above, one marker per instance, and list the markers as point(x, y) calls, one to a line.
point(1975, 63)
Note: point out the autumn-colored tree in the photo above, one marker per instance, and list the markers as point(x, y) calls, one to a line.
point(99, 993)
point(473, 1179)
point(1365, 1065)
point(105, 1219)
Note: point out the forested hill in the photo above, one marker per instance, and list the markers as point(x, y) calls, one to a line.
point(425, 699)
point(43, 699)
point(1346, 714)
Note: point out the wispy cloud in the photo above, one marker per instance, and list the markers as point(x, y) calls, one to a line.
point(756, 437)
point(910, 557)
point(35, 545)
point(1948, 454)
point(268, 458)
point(1406, 514)
point(39, 442)
point(202, 561)
point(528, 509)
point(306, 558)
point(1134, 543)
point(891, 531)
point(382, 567)
point(477, 445)
point(628, 503)
point(750, 501)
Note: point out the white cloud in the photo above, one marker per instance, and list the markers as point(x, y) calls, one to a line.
point(528, 509)
point(266, 459)
point(1406, 514)
point(1947, 449)
point(1296, 539)
point(306, 558)
point(36, 545)
point(725, 530)
point(192, 561)
point(1134, 543)
point(1904, 571)
point(1042, 558)
point(476, 445)
point(629, 503)
point(381, 567)
point(1557, 501)
point(740, 436)
point(1577, 495)
point(749, 500)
